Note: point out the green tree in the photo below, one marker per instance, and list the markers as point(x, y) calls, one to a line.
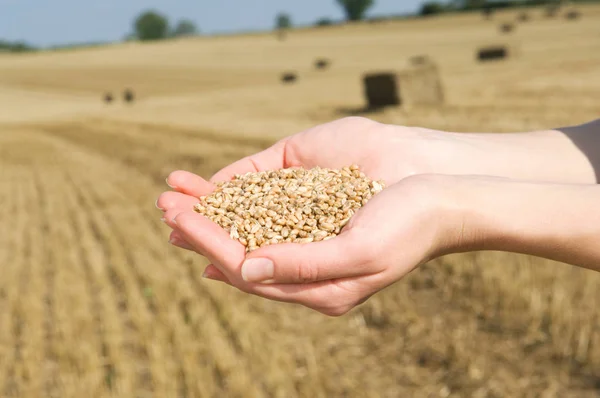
point(324, 22)
point(283, 21)
point(185, 27)
point(151, 25)
point(355, 9)
point(469, 4)
point(432, 8)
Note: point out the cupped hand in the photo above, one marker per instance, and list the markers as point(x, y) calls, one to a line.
point(383, 241)
point(399, 229)
point(384, 152)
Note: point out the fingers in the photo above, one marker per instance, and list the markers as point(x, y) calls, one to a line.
point(179, 241)
point(332, 298)
point(213, 241)
point(272, 158)
point(213, 273)
point(174, 200)
point(342, 257)
point(325, 297)
point(189, 184)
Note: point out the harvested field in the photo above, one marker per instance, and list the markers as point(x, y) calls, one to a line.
point(94, 302)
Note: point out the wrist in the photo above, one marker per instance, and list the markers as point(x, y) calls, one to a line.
point(444, 213)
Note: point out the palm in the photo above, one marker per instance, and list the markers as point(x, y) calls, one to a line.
point(337, 144)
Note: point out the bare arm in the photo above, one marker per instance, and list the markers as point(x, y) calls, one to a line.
point(567, 155)
point(556, 221)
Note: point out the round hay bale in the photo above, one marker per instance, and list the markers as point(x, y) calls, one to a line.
point(322, 63)
point(289, 77)
point(507, 27)
point(492, 53)
point(129, 96)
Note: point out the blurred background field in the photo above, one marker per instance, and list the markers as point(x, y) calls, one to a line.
point(94, 302)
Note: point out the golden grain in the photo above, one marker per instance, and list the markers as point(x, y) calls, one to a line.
point(317, 203)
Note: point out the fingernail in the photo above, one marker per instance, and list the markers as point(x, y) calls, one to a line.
point(156, 204)
point(167, 181)
point(209, 275)
point(257, 270)
point(163, 220)
point(174, 221)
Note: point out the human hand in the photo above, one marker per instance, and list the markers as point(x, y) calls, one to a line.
point(397, 230)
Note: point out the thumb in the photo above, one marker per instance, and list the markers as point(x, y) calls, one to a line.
point(294, 263)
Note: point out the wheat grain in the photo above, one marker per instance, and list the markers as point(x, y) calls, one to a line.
point(293, 205)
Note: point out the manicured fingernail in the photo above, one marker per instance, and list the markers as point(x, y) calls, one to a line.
point(158, 207)
point(257, 270)
point(167, 181)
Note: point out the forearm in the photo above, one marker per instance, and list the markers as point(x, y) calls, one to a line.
point(570, 155)
point(554, 221)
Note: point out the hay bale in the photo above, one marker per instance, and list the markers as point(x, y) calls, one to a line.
point(108, 98)
point(552, 11)
point(523, 17)
point(492, 53)
point(420, 60)
point(507, 27)
point(488, 12)
point(381, 89)
point(129, 96)
point(322, 63)
point(573, 15)
point(413, 86)
point(289, 77)
point(421, 85)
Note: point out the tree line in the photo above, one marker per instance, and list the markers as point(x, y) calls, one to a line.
point(14, 47)
point(438, 7)
point(153, 25)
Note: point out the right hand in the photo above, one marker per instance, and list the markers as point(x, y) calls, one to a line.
point(400, 228)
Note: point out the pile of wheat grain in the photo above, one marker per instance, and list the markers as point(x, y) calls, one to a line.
point(293, 205)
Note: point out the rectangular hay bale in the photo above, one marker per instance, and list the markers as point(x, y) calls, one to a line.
point(381, 89)
point(418, 85)
point(421, 85)
point(493, 53)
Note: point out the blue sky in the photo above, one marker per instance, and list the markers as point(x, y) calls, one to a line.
point(52, 22)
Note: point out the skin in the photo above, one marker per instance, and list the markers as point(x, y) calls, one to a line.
point(441, 199)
